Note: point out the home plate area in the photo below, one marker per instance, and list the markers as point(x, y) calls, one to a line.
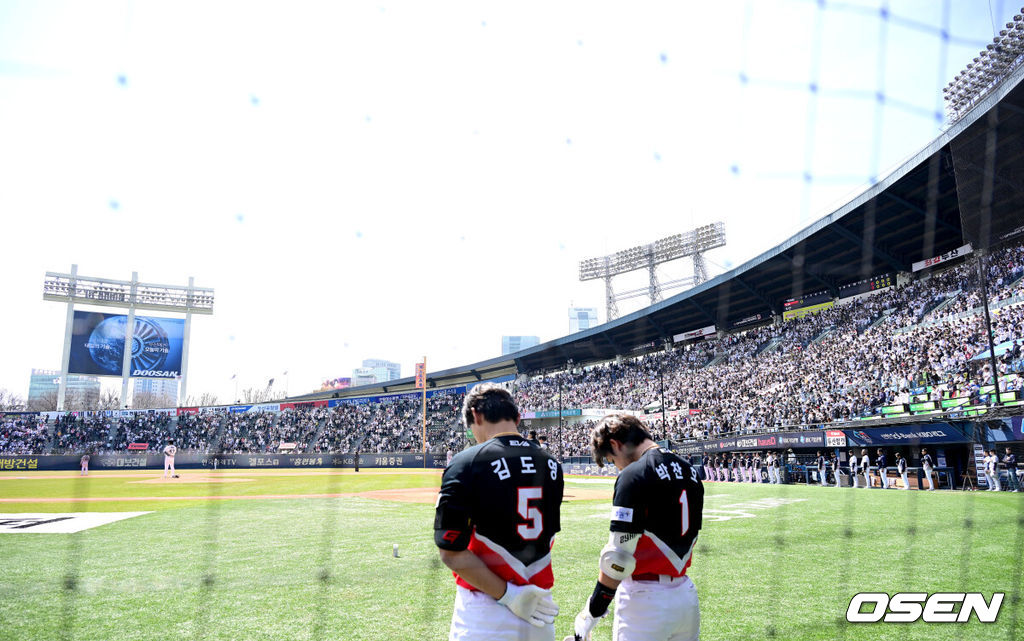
point(56, 523)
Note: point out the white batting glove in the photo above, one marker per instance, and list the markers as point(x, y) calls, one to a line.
point(585, 623)
point(530, 603)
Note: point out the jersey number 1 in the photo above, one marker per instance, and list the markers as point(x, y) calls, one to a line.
point(532, 514)
point(686, 512)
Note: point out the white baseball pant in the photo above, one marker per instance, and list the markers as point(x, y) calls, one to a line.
point(649, 611)
point(478, 617)
point(928, 476)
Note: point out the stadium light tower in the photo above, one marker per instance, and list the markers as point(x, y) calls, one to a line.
point(692, 243)
point(986, 71)
point(131, 295)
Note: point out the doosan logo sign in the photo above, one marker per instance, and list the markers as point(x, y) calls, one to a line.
point(907, 607)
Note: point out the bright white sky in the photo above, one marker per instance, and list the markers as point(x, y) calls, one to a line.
point(398, 179)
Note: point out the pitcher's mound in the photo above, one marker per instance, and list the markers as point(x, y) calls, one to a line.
point(195, 479)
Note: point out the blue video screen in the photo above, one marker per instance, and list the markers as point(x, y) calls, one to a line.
point(97, 345)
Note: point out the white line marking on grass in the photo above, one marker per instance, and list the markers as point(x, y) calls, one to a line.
point(59, 523)
point(742, 510)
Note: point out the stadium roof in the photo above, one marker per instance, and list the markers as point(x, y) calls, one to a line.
point(910, 215)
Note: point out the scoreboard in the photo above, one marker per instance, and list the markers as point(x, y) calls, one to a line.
point(867, 285)
point(804, 301)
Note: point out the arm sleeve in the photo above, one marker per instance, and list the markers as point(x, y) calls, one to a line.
point(628, 510)
point(452, 525)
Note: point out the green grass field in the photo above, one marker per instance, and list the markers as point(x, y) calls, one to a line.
point(771, 562)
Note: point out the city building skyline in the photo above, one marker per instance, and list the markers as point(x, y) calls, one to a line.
point(363, 376)
point(163, 388)
point(383, 370)
point(44, 383)
point(511, 344)
point(582, 318)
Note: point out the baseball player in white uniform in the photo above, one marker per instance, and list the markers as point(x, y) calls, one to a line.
point(169, 452)
point(992, 471)
point(865, 466)
point(854, 471)
point(901, 467)
point(926, 466)
point(643, 566)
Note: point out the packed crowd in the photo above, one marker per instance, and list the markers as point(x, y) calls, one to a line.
point(22, 436)
point(243, 433)
point(198, 431)
point(73, 435)
point(394, 426)
point(151, 429)
point(841, 363)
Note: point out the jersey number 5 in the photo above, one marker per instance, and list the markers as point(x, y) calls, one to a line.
point(532, 514)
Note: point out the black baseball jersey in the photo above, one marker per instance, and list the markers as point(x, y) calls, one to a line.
point(926, 461)
point(500, 500)
point(880, 462)
point(901, 465)
point(661, 498)
point(820, 461)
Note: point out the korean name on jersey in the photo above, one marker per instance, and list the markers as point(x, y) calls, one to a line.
point(501, 499)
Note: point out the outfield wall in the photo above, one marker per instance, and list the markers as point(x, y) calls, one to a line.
point(914, 434)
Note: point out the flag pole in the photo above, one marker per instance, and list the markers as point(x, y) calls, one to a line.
point(424, 411)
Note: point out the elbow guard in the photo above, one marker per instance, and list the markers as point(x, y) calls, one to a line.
point(617, 561)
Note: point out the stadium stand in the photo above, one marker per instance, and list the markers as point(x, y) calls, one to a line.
point(856, 360)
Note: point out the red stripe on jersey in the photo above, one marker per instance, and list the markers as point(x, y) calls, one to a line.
point(496, 563)
point(651, 560)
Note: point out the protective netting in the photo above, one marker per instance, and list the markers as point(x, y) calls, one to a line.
point(986, 163)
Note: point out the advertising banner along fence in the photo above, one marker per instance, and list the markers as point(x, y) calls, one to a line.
point(188, 460)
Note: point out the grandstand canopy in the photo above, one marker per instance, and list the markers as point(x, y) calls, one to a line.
point(908, 216)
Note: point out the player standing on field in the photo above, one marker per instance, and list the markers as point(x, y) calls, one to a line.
point(656, 515)
point(882, 469)
point(496, 518)
point(901, 467)
point(865, 466)
point(928, 467)
point(169, 452)
point(820, 462)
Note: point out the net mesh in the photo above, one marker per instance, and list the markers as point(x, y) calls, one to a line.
point(987, 159)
